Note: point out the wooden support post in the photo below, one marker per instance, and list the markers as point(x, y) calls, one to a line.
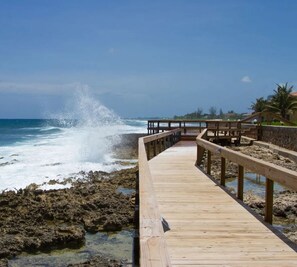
point(209, 162)
point(198, 159)
point(223, 171)
point(200, 152)
point(240, 182)
point(148, 149)
point(160, 146)
point(171, 140)
point(268, 201)
point(155, 147)
point(217, 134)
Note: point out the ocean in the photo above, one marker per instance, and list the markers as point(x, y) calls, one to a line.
point(40, 150)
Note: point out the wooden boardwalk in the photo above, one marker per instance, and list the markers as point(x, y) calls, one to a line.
point(208, 227)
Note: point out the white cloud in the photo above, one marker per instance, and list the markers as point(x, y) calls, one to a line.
point(246, 79)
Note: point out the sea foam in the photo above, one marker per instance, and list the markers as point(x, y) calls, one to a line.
point(79, 139)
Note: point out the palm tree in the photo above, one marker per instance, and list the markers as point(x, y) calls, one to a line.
point(259, 105)
point(282, 102)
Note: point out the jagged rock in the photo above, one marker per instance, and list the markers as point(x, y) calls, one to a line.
point(32, 219)
point(98, 261)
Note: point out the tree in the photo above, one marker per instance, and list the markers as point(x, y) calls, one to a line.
point(282, 102)
point(199, 113)
point(221, 114)
point(212, 112)
point(259, 105)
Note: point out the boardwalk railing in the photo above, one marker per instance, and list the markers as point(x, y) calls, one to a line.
point(216, 129)
point(272, 172)
point(158, 126)
point(153, 249)
point(157, 143)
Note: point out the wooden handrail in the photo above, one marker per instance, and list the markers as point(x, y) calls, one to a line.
point(276, 173)
point(272, 172)
point(153, 247)
point(154, 137)
point(217, 129)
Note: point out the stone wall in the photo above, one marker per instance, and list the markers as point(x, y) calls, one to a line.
point(281, 136)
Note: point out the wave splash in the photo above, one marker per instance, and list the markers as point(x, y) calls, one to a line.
point(92, 128)
point(79, 139)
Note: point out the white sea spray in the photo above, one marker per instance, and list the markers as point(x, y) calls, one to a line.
point(79, 139)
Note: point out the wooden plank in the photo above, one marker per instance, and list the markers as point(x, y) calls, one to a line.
point(153, 248)
point(151, 251)
point(208, 227)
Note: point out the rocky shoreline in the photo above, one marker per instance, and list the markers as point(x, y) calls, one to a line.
point(34, 220)
point(285, 202)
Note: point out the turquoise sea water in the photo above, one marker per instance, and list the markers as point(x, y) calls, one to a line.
point(36, 150)
point(17, 131)
point(111, 245)
point(253, 182)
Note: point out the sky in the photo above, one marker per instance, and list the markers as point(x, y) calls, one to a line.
point(144, 58)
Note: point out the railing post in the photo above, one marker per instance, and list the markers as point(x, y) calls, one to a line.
point(147, 148)
point(209, 162)
point(223, 171)
point(217, 131)
point(269, 201)
point(178, 137)
point(155, 147)
point(159, 146)
point(240, 182)
point(200, 153)
point(198, 156)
